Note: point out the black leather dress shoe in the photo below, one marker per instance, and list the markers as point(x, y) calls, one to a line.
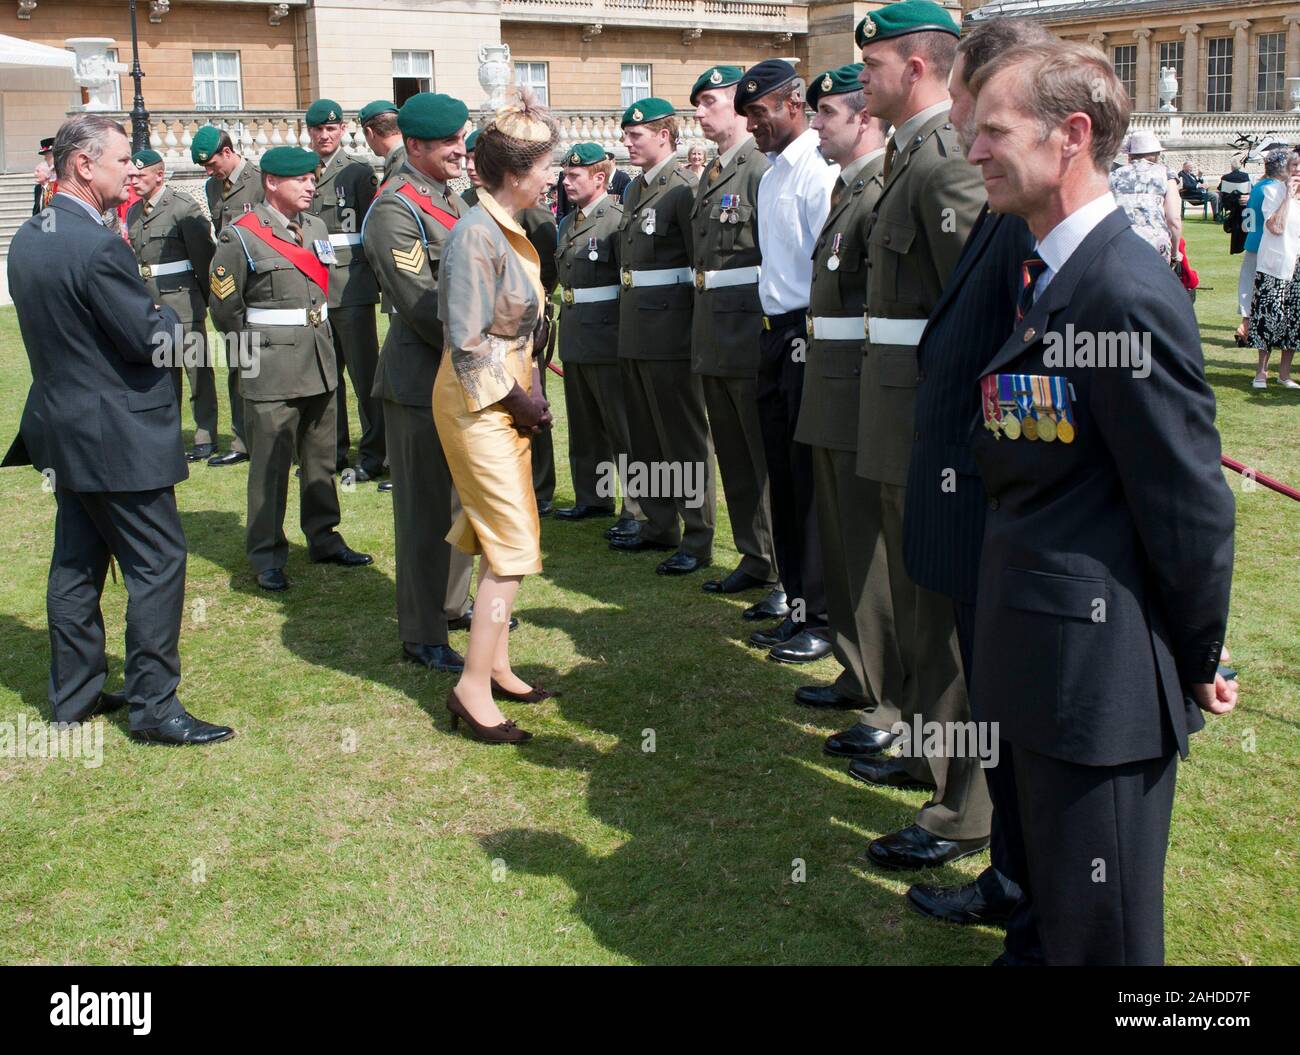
point(200, 452)
point(776, 635)
point(441, 658)
point(462, 622)
point(637, 544)
point(545, 509)
point(360, 476)
point(385, 486)
point(861, 741)
point(825, 696)
point(583, 512)
point(960, 904)
point(772, 606)
point(887, 772)
point(183, 729)
point(272, 579)
point(807, 646)
point(682, 564)
point(229, 458)
point(914, 848)
point(107, 703)
point(349, 558)
point(737, 582)
point(627, 527)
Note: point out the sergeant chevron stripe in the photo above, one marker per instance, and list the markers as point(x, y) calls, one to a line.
point(412, 260)
point(223, 287)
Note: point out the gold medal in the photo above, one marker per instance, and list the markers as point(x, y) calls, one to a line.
point(1065, 432)
point(1046, 428)
point(1029, 427)
point(1011, 426)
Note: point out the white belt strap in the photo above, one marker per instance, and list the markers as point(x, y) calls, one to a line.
point(666, 276)
point(838, 328)
point(589, 295)
point(176, 267)
point(895, 331)
point(732, 276)
point(345, 239)
point(286, 316)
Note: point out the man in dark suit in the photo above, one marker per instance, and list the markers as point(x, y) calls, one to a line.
point(943, 521)
point(1107, 559)
point(103, 425)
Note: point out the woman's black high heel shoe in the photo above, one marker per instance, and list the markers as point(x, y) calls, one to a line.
point(505, 733)
point(535, 695)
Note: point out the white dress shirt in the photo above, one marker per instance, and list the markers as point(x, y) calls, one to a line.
point(98, 217)
point(1063, 239)
point(794, 199)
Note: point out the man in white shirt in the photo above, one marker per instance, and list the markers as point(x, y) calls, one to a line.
point(794, 199)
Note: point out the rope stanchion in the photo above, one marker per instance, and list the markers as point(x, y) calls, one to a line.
point(1267, 481)
point(555, 369)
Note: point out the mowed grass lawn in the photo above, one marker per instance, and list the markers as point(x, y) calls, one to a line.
point(344, 823)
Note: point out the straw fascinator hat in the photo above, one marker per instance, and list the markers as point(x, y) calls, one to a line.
point(527, 122)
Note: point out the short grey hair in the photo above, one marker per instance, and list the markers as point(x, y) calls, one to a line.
point(83, 134)
point(795, 88)
point(1275, 163)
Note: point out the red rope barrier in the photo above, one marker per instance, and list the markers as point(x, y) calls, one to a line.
point(1267, 481)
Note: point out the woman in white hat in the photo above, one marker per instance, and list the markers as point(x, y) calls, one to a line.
point(1148, 193)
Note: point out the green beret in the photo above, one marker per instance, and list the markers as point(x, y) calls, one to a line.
point(379, 106)
point(288, 161)
point(902, 18)
point(204, 144)
point(323, 111)
point(428, 115)
point(143, 159)
point(758, 81)
point(471, 139)
point(716, 77)
point(584, 154)
point(839, 81)
point(644, 110)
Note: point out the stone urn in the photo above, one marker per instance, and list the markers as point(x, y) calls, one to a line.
point(494, 75)
point(96, 72)
point(1168, 88)
point(1293, 93)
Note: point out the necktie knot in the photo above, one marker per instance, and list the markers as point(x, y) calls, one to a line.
point(295, 229)
point(890, 151)
point(1030, 272)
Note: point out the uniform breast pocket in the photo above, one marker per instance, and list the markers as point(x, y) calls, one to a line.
point(589, 272)
point(732, 223)
point(895, 238)
point(286, 283)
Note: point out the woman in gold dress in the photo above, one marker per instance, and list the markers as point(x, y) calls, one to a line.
point(488, 403)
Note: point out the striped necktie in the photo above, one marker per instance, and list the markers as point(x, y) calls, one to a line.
point(295, 229)
point(1030, 272)
point(890, 150)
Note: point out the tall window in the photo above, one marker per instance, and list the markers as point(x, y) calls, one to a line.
point(216, 81)
point(533, 75)
point(1272, 71)
point(412, 74)
point(1171, 54)
point(1126, 60)
point(635, 82)
point(1218, 70)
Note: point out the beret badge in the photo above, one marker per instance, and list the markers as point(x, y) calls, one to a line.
point(869, 29)
point(637, 115)
point(752, 86)
point(715, 77)
point(827, 83)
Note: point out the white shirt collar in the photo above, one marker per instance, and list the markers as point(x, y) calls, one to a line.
point(1063, 239)
point(96, 216)
point(587, 209)
point(903, 133)
point(806, 141)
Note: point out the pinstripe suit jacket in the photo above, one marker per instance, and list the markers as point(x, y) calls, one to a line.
point(943, 526)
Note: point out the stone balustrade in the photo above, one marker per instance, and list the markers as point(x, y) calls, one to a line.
point(1210, 130)
point(731, 16)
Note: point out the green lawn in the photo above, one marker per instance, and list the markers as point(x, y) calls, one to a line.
point(346, 824)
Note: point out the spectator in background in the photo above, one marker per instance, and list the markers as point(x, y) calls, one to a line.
point(695, 159)
point(1148, 194)
point(1235, 181)
point(617, 185)
point(1267, 193)
point(1275, 310)
point(1193, 185)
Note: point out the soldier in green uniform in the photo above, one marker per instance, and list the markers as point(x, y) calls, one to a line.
point(345, 187)
point(379, 125)
point(726, 323)
point(233, 187)
point(926, 208)
point(593, 384)
point(668, 427)
point(173, 245)
point(539, 226)
point(403, 237)
point(270, 284)
point(857, 585)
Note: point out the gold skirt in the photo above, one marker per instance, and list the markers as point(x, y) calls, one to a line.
point(492, 468)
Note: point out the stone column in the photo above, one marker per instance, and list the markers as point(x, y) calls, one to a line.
point(1142, 82)
point(1292, 23)
point(1189, 85)
point(1240, 65)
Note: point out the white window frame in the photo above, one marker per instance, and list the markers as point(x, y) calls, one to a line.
point(1270, 77)
point(415, 65)
point(216, 80)
point(1123, 59)
point(537, 76)
point(1218, 74)
point(629, 78)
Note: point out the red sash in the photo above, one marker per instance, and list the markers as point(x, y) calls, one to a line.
point(299, 256)
point(447, 219)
